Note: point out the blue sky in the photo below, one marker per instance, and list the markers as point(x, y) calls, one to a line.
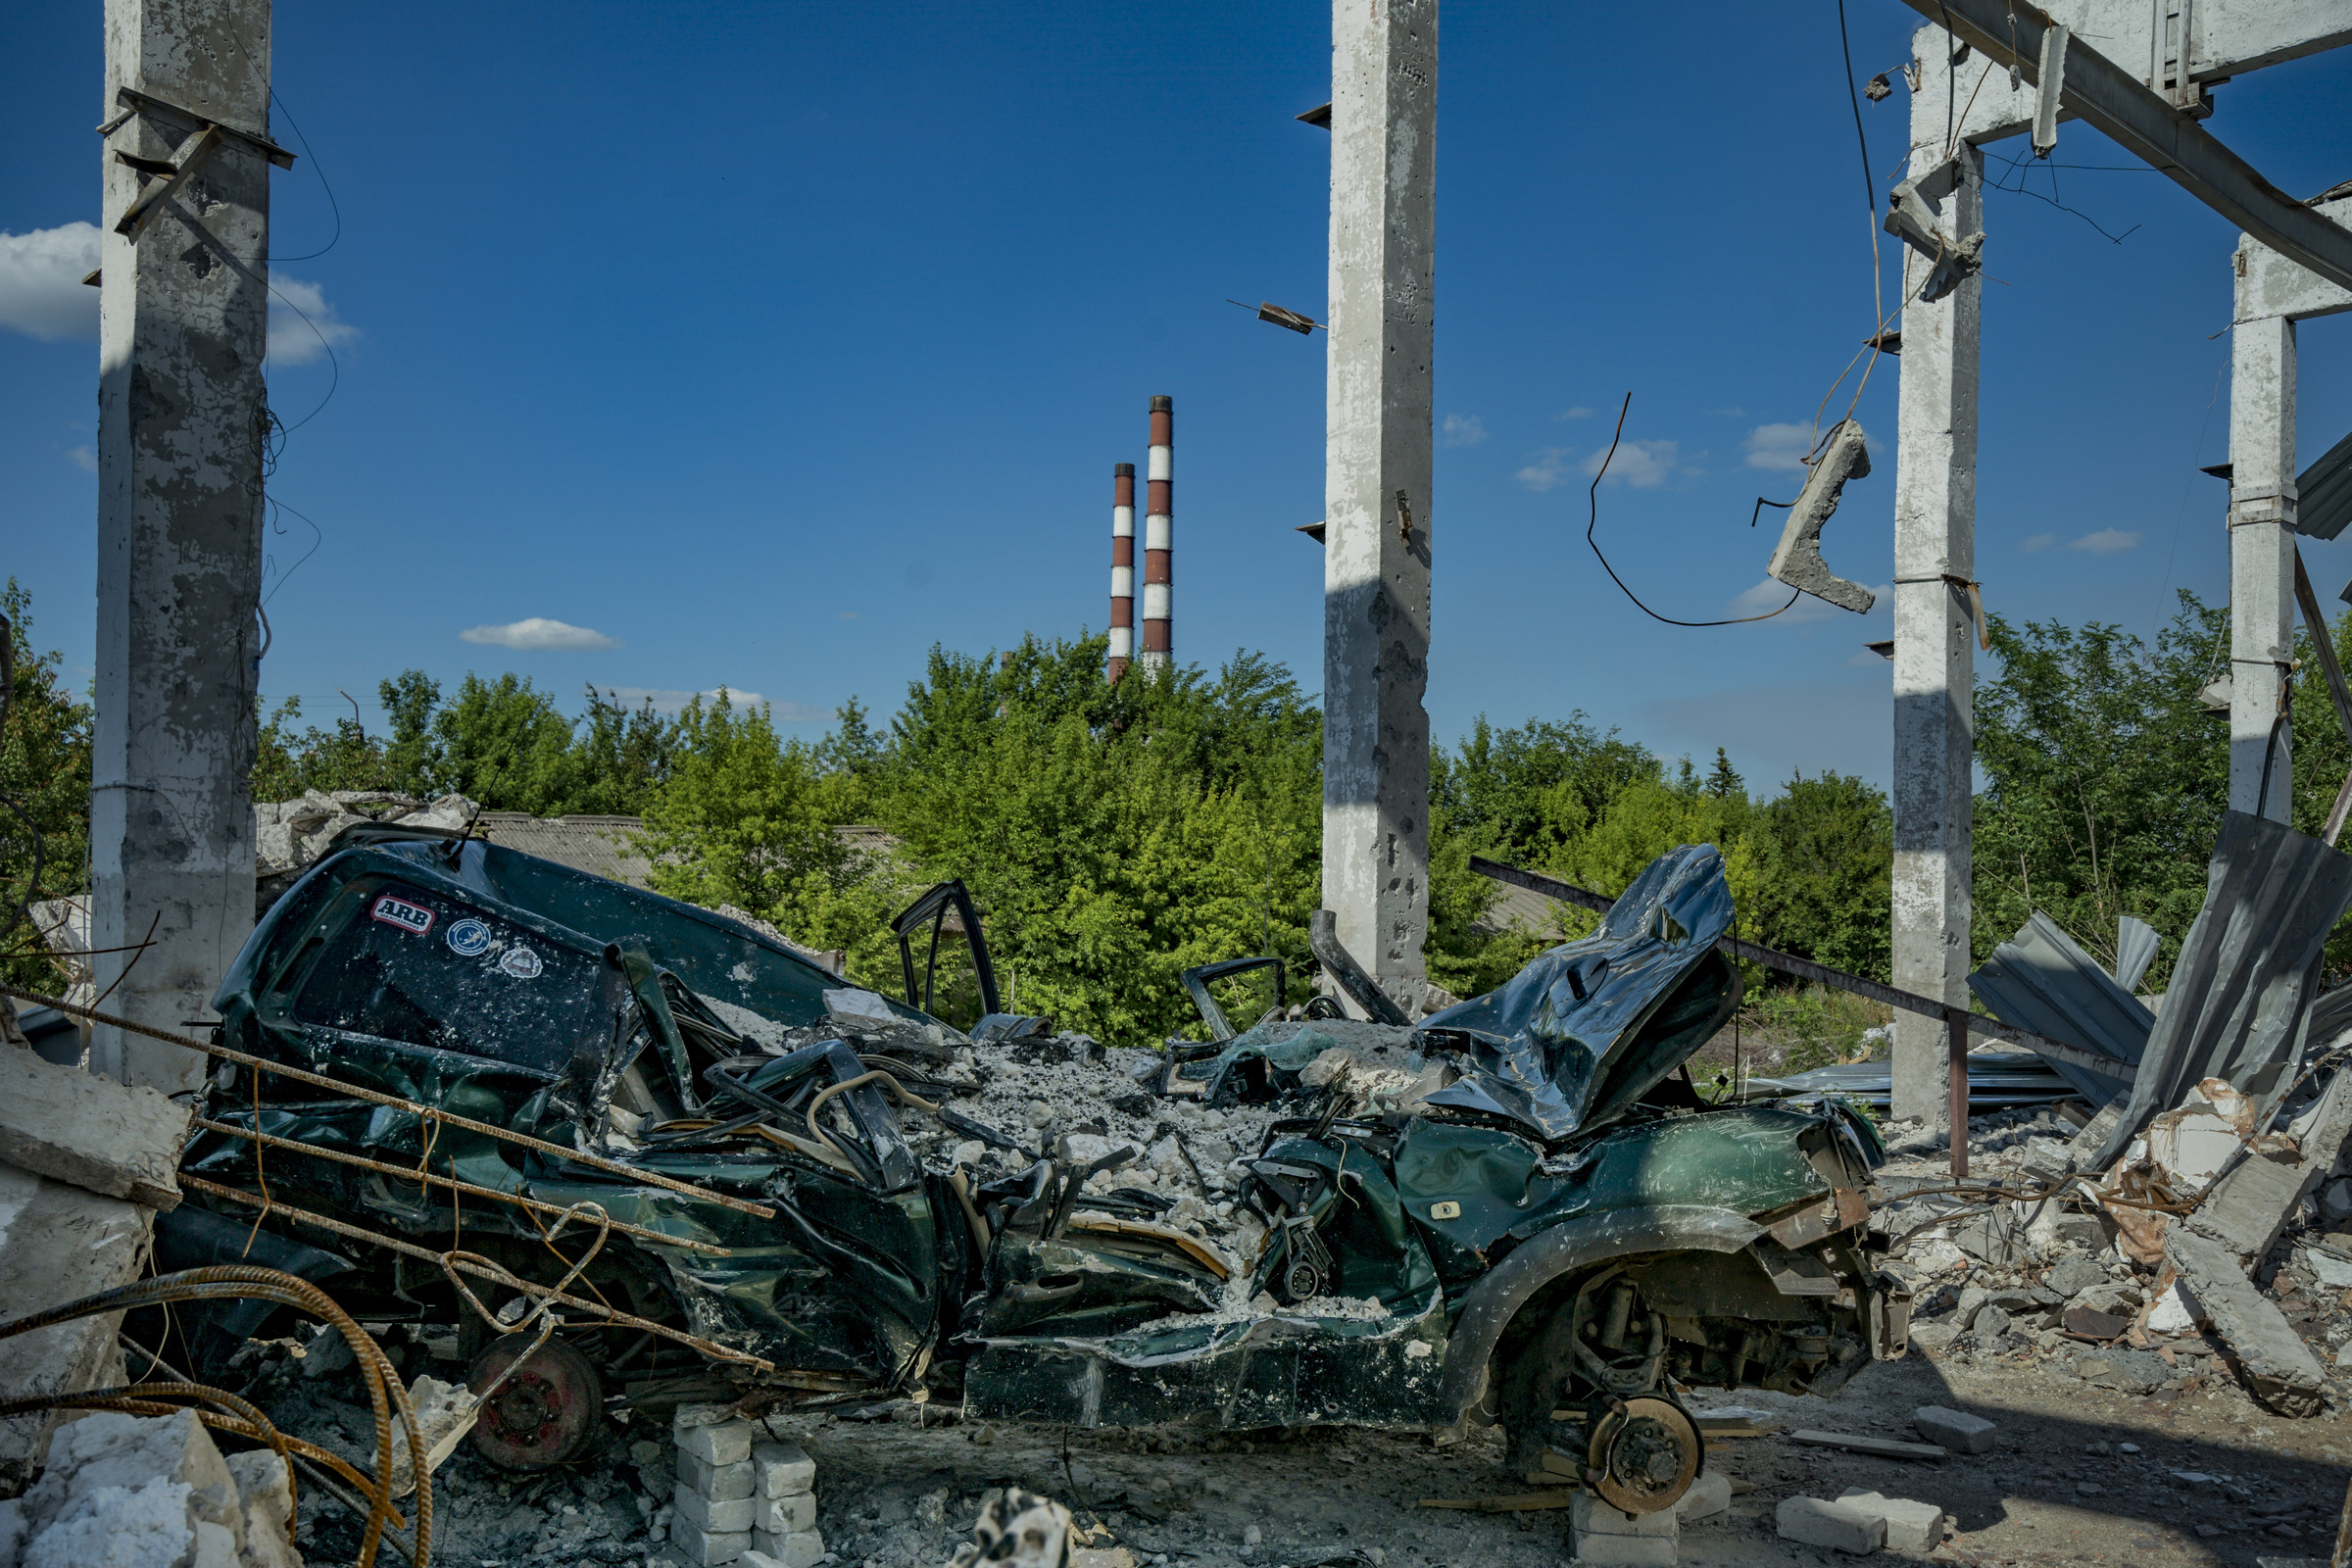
point(774, 344)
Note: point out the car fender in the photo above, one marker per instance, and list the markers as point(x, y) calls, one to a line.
point(1575, 1243)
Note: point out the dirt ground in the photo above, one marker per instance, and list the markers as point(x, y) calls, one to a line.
point(2063, 1485)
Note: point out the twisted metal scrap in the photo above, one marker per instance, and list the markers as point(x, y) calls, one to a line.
point(241, 1282)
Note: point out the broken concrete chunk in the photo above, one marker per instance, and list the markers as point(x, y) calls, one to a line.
point(77, 1127)
point(2088, 1323)
point(787, 1515)
point(1709, 1495)
point(2070, 1276)
point(1955, 1430)
point(57, 1243)
point(725, 1443)
point(2128, 1371)
point(11, 1530)
point(1796, 562)
point(2278, 1367)
point(1838, 1526)
point(445, 1414)
point(267, 1495)
point(1911, 1526)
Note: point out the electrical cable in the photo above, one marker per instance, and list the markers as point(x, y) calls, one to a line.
point(317, 168)
point(1595, 497)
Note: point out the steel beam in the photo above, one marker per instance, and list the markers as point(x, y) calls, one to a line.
point(2102, 94)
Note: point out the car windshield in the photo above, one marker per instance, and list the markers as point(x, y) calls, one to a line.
point(416, 967)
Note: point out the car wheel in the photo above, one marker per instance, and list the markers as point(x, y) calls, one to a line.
point(546, 1413)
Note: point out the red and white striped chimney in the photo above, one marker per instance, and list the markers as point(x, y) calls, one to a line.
point(1122, 567)
point(1159, 527)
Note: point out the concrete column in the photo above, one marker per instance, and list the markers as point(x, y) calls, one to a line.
point(1934, 647)
point(2261, 562)
point(183, 315)
point(1377, 508)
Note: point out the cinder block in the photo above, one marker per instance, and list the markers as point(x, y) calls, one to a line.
point(718, 1443)
point(802, 1548)
point(1838, 1526)
point(699, 1513)
point(1708, 1496)
point(782, 1516)
point(1954, 1430)
point(1911, 1526)
point(1588, 1515)
point(705, 1548)
point(720, 1483)
point(783, 1469)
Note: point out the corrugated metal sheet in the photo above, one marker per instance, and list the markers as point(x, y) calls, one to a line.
point(2324, 502)
point(1997, 1080)
point(2041, 980)
point(2238, 1003)
point(2135, 944)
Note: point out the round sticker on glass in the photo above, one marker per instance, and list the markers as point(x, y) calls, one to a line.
point(468, 938)
point(521, 962)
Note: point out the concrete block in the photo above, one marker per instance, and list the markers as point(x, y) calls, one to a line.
point(782, 1516)
point(58, 1243)
point(90, 1131)
point(720, 1443)
point(1588, 1515)
point(699, 1513)
point(1709, 1495)
point(2278, 1366)
point(720, 1483)
point(1838, 1526)
point(1954, 1429)
point(705, 1548)
point(801, 1548)
point(153, 1523)
point(1621, 1551)
point(1911, 1526)
point(783, 1469)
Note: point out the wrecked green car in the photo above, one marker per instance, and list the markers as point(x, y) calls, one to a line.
point(1534, 1220)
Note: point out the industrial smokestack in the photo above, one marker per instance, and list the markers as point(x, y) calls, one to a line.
point(1122, 567)
point(1159, 527)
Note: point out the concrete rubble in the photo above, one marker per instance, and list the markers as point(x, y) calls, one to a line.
point(84, 1164)
point(132, 1490)
point(290, 836)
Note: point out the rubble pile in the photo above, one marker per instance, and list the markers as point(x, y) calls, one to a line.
point(133, 1490)
point(290, 836)
point(1008, 1097)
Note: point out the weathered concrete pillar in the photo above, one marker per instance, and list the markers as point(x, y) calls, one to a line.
point(2262, 564)
point(1377, 508)
point(183, 313)
point(1934, 644)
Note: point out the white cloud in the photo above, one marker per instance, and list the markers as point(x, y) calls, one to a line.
point(1780, 448)
point(2106, 542)
point(1464, 429)
point(1732, 413)
point(2035, 545)
point(1644, 465)
point(292, 339)
point(1580, 411)
point(673, 701)
point(82, 458)
point(1549, 469)
point(42, 295)
point(539, 634)
point(41, 292)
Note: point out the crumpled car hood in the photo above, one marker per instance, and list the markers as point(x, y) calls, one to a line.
point(1579, 1034)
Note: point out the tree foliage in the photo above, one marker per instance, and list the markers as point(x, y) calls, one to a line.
point(44, 791)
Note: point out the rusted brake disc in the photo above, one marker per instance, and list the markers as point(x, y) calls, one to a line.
point(1644, 1453)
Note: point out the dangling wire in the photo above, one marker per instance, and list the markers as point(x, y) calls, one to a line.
point(1595, 497)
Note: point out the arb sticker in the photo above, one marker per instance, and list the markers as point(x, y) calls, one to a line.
point(468, 938)
point(413, 918)
point(521, 962)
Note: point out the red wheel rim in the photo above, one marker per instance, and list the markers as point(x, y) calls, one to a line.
point(545, 1412)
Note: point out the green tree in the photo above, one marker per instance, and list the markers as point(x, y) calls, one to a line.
point(45, 744)
point(2106, 780)
point(1823, 868)
point(287, 764)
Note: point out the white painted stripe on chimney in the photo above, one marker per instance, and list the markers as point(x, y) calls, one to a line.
point(1161, 465)
point(1156, 533)
point(1123, 583)
point(1155, 601)
point(1122, 642)
point(1122, 523)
